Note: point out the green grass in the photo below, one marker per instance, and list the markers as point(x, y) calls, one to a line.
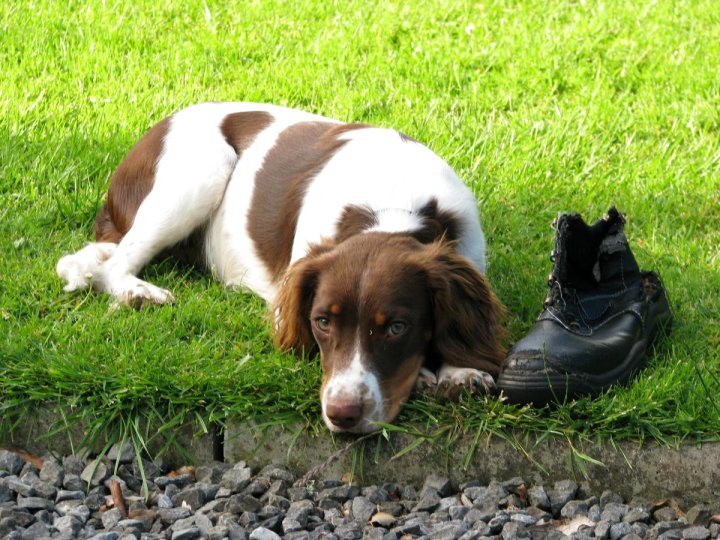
point(540, 106)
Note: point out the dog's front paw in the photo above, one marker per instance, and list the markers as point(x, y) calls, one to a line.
point(135, 293)
point(453, 381)
point(426, 382)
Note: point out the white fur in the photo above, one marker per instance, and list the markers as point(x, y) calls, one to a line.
point(356, 384)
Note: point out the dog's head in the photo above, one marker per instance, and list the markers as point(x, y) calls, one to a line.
point(379, 306)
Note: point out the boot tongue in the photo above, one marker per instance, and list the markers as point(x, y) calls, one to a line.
point(596, 257)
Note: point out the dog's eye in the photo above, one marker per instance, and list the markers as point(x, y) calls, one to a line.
point(396, 328)
point(323, 323)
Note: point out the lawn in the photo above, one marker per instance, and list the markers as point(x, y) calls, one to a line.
point(540, 107)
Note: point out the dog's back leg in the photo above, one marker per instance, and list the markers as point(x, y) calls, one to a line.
point(168, 186)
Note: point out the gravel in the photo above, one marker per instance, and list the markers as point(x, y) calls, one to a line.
point(71, 498)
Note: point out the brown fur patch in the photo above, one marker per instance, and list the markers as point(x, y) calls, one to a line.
point(130, 184)
point(301, 151)
point(241, 128)
point(396, 388)
point(335, 309)
point(354, 220)
point(468, 330)
point(380, 318)
point(437, 224)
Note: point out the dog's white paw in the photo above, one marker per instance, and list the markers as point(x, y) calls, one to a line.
point(453, 381)
point(135, 293)
point(80, 269)
point(426, 381)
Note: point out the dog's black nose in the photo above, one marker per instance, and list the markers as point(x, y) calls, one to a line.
point(344, 415)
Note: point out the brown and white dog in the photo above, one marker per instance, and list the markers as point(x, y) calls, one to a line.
point(364, 242)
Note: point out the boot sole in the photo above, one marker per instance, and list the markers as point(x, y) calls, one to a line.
point(551, 386)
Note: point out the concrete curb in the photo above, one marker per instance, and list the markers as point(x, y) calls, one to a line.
point(690, 474)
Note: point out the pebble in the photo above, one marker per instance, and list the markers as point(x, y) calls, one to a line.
point(69, 498)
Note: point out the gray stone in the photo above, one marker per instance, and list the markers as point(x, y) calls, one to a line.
point(237, 504)
point(65, 495)
point(218, 532)
point(95, 499)
point(562, 492)
point(36, 531)
point(187, 534)
point(375, 494)
point(35, 503)
point(699, 514)
point(349, 531)
point(618, 530)
point(109, 535)
point(537, 496)
point(594, 512)
point(493, 494)
point(73, 482)
point(438, 484)
point(80, 512)
point(291, 525)
point(666, 513)
point(602, 529)
point(497, 523)
point(11, 462)
point(427, 504)
point(6, 494)
point(131, 525)
point(236, 479)
point(297, 493)
point(261, 533)
point(203, 522)
point(68, 525)
point(52, 472)
point(212, 474)
point(340, 493)
point(21, 519)
point(363, 509)
point(672, 534)
point(73, 465)
point(42, 488)
point(111, 518)
point(574, 508)
point(194, 497)
point(121, 452)
point(95, 473)
point(523, 518)
point(448, 531)
point(608, 496)
point(18, 486)
point(696, 533)
point(163, 501)
point(458, 511)
point(614, 512)
point(184, 523)
point(277, 472)
point(634, 515)
point(485, 514)
point(512, 530)
point(170, 515)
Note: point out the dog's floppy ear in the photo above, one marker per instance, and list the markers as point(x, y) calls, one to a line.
point(291, 309)
point(467, 314)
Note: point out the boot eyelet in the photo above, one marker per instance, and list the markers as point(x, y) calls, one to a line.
point(574, 325)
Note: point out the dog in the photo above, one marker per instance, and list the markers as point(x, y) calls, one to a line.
point(364, 243)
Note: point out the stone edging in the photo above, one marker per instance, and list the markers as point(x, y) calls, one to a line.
point(690, 474)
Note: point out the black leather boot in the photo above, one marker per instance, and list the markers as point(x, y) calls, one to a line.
point(601, 316)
